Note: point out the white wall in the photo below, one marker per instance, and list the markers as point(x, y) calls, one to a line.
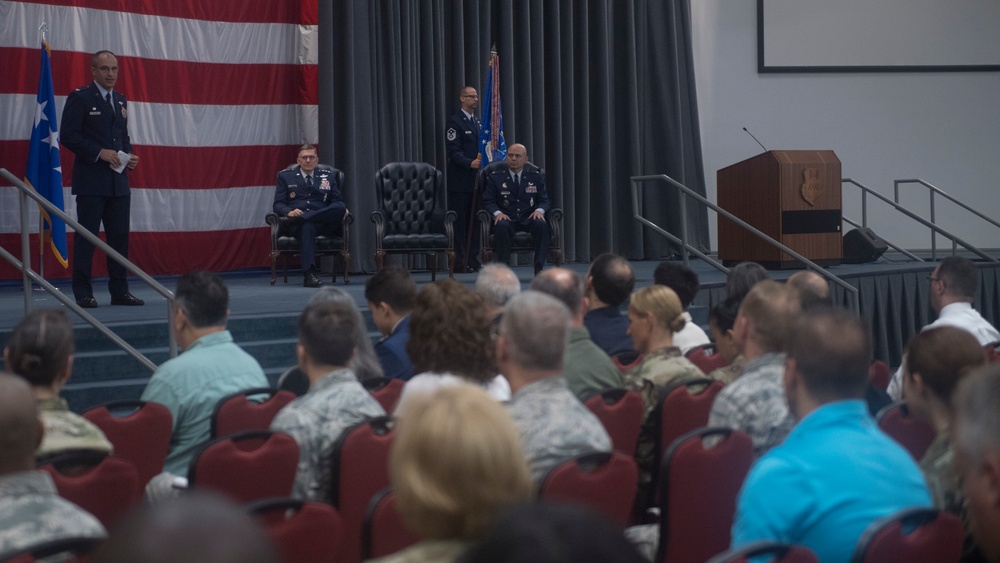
point(943, 128)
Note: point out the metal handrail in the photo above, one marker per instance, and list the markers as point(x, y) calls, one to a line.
point(932, 189)
point(30, 275)
point(685, 247)
point(934, 228)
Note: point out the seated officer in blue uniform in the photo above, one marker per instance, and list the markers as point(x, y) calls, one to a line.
point(309, 199)
point(515, 195)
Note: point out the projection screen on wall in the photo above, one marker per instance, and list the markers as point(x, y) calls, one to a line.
point(878, 35)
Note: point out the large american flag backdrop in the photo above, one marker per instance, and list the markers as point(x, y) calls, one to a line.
point(220, 95)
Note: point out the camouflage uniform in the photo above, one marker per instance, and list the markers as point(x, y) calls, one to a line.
point(316, 420)
point(657, 371)
point(728, 374)
point(938, 466)
point(65, 430)
point(554, 425)
point(31, 512)
point(428, 551)
point(755, 403)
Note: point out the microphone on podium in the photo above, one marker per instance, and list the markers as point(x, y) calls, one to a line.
point(755, 138)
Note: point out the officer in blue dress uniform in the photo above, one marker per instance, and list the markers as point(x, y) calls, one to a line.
point(515, 195)
point(462, 144)
point(95, 129)
point(309, 199)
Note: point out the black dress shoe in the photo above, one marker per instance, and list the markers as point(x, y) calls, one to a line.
point(87, 302)
point(127, 299)
point(310, 280)
point(538, 268)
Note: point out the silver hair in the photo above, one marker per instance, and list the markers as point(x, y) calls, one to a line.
point(976, 412)
point(497, 284)
point(365, 363)
point(537, 327)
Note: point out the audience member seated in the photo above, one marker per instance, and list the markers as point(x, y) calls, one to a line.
point(390, 293)
point(308, 197)
point(335, 401)
point(755, 403)
point(364, 363)
point(211, 367)
point(456, 464)
point(587, 369)
point(609, 282)
point(953, 289)
point(197, 527)
point(813, 289)
point(936, 361)
point(836, 473)
point(976, 439)
point(40, 349)
point(496, 284)
point(721, 320)
point(450, 343)
point(655, 314)
point(530, 347)
point(31, 511)
point(543, 532)
point(684, 282)
point(742, 277)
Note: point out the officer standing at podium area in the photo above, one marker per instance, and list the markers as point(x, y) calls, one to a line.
point(462, 142)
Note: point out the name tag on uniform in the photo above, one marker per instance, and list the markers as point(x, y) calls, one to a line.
point(95, 113)
point(468, 132)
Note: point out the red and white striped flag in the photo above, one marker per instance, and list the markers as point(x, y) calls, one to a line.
point(220, 96)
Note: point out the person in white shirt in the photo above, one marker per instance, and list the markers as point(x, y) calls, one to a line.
point(684, 282)
point(953, 289)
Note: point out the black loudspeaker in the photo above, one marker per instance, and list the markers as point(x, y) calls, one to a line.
point(863, 245)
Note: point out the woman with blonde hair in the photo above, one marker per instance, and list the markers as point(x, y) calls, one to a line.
point(456, 463)
point(654, 315)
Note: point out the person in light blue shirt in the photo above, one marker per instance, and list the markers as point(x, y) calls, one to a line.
point(836, 472)
point(211, 367)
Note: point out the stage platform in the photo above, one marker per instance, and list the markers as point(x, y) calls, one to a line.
point(893, 295)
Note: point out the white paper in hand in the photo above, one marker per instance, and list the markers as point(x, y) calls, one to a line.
point(123, 158)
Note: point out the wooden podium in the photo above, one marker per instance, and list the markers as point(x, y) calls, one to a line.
point(791, 196)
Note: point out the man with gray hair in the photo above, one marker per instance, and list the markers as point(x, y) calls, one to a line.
point(497, 284)
point(976, 439)
point(587, 369)
point(31, 511)
point(531, 344)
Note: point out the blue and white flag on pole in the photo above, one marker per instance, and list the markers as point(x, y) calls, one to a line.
point(492, 147)
point(44, 169)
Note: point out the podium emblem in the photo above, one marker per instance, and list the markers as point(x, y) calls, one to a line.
point(812, 187)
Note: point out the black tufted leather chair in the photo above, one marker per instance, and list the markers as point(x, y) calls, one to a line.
point(522, 241)
point(284, 246)
point(408, 220)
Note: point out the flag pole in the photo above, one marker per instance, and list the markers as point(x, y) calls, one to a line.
point(42, 30)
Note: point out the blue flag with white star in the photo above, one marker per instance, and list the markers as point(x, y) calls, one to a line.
point(491, 143)
point(44, 169)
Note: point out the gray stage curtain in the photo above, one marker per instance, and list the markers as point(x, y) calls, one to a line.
point(598, 91)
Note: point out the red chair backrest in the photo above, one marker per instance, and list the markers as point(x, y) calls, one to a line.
point(360, 466)
point(602, 481)
point(699, 486)
point(913, 434)
point(237, 413)
point(247, 466)
point(705, 358)
point(103, 485)
point(620, 411)
point(914, 535)
point(384, 532)
point(301, 530)
point(385, 390)
point(775, 552)
point(626, 360)
point(139, 431)
point(879, 375)
point(992, 352)
point(685, 407)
